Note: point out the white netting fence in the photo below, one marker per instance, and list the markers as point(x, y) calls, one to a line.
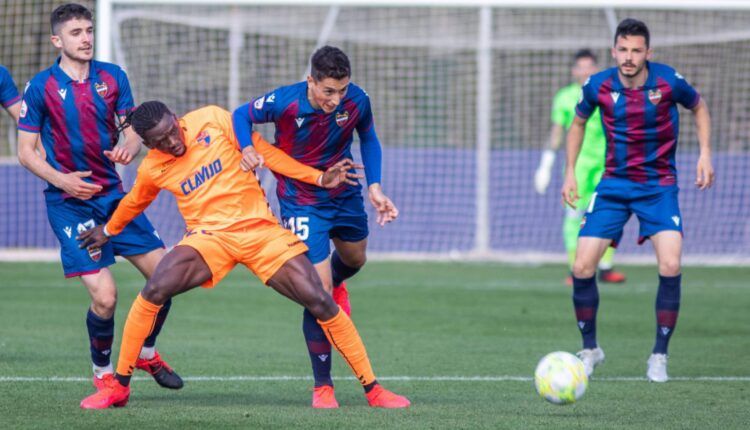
point(462, 127)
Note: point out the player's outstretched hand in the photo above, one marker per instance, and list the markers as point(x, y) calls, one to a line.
point(570, 190)
point(92, 238)
point(73, 185)
point(387, 211)
point(251, 159)
point(341, 173)
point(704, 173)
point(120, 154)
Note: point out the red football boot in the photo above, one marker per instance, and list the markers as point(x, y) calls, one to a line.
point(341, 297)
point(324, 398)
point(161, 371)
point(113, 394)
point(612, 276)
point(379, 397)
point(100, 383)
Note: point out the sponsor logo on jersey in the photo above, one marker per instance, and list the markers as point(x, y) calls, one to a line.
point(615, 96)
point(203, 138)
point(342, 118)
point(676, 220)
point(200, 177)
point(654, 96)
point(299, 121)
point(63, 92)
point(24, 109)
point(271, 98)
point(68, 231)
point(101, 88)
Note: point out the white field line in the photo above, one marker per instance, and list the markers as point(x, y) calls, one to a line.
point(261, 378)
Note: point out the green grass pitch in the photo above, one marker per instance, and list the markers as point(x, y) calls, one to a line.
point(426, 326)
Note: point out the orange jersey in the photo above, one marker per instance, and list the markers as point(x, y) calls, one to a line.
point(211, 189)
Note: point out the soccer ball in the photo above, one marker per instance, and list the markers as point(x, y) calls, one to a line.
point(560, 378)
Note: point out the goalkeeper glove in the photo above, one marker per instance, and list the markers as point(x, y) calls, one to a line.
point(543, 173)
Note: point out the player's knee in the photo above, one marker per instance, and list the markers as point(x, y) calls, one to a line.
point(669, 267)
point(156, 291)
point(321, 305)
point(583, 269)
point(357, 260)
point(104, 304)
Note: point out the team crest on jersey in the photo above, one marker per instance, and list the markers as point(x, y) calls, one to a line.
point(654, 96)
point(342, 118)
point(101, 89)
point(95, 253)
point(63, 92)
point(203, 138)
point(615, 96)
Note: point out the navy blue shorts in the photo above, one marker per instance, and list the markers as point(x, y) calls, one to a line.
point(342, 218)
point(70, 217)
point(656, 207)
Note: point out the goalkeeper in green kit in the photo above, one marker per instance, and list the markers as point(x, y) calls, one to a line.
point(590, 163)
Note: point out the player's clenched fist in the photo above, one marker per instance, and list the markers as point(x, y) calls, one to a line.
point(251, 159)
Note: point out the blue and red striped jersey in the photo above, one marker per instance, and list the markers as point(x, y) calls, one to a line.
point(77, 120)
point(8, 91)
point(313, 137)
point(641, 125)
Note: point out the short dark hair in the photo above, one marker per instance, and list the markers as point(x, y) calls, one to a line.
point(330, 62)
point(585, 53)
point(145, 117)
point(65, 13)
point(632, 27)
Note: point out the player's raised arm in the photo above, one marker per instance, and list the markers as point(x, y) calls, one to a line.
point(574, 141)
point(704, 170)
point(372, 156)
point(259, 111)
point(129, 149)
point(278, 161)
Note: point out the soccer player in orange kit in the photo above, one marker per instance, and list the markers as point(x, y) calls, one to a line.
point(197, 158)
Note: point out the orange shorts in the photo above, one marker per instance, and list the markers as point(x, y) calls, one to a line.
point(261, 245)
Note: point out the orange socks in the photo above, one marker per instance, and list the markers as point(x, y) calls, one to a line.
point(138, 326)
point(342, 334)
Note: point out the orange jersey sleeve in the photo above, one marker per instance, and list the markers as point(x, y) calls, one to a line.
point(278, 161)
point(134, 203)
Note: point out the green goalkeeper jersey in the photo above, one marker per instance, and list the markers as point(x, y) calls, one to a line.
point(594, 143)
